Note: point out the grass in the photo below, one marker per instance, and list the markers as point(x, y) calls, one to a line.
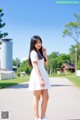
point(6, 83)
point(72, 77)
point(10, 82)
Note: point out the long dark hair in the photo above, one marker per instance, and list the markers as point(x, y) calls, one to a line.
point(34, 40)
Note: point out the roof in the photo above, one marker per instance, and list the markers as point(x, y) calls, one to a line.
point(70, 66)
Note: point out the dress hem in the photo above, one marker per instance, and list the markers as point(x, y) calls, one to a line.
point(38, 89)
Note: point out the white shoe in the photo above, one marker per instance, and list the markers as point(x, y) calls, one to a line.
point(44, 118)
point(38, 119)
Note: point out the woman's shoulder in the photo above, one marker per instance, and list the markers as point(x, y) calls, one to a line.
point(34, 52)
point(34, 56)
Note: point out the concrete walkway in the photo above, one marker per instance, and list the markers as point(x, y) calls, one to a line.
point(64, 102)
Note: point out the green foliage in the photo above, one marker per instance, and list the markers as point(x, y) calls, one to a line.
point(72, 53)
point(24, 67)
point(18, 74)
point(78, 65)
point(52, 61)
point(55, 60)
point(2, 24)
point(15, 81)
point(74, 79)
point(16, 62)
point(72, 29)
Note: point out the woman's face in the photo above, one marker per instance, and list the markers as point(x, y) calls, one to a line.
point(38, 44)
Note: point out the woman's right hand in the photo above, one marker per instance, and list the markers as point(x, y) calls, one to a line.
point(42, 83)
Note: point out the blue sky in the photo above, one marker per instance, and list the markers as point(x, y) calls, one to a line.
point(45, 18)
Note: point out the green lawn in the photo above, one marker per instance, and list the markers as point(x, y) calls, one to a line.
point(5, 83)
point(10, 82)
point(72, 77)
point(75, 80)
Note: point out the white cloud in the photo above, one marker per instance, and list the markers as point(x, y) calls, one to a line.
point(23, 59)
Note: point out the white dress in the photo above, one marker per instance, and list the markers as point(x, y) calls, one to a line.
point(34, 82)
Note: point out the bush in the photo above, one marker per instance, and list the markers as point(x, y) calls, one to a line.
point(79, 65)
point(18, 74)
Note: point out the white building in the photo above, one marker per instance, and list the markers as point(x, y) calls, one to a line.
point(6, 54)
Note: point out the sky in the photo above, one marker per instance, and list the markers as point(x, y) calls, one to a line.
point(45, 18)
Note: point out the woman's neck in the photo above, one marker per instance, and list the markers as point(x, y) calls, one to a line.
point(37, 50)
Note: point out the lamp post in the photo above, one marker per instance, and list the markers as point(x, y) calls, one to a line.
point(75, 60)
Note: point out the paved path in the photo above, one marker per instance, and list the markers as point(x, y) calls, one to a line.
point(64, 102)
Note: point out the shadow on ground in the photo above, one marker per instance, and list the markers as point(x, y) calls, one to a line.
point(26, 85)
point(60, 85)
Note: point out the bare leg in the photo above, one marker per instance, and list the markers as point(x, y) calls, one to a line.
point(45, 98)
point(37, 94)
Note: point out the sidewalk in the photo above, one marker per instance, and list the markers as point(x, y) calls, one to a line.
point(64, 102)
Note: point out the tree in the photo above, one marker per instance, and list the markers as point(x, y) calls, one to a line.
point(16, 62)
point(72, 55)
point(63, 58)
point(72, 29)
point(2, 24)
point(78, 65)
point(24, 67)
point(52, 62)
point(55, 60)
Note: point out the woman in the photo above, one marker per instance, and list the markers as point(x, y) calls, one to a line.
point(39, 82)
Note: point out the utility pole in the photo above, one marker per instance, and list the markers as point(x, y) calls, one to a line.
point(75, 60)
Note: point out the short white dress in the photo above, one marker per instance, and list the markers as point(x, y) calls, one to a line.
point(34, 81)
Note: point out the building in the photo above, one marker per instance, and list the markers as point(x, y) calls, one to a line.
point(6, 54)
point(66, 68)
point(6, 74)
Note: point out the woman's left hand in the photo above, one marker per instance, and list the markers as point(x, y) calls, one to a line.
point(43, 49)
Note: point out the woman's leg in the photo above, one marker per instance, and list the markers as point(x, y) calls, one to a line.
point(45, 97)
point(37, 94)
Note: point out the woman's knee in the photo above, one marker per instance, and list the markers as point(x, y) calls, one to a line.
point(37, 98)
point(45, 98)
point(37, 95)
point(45, 95)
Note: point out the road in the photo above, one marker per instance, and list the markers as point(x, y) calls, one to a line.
point(63, 104)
